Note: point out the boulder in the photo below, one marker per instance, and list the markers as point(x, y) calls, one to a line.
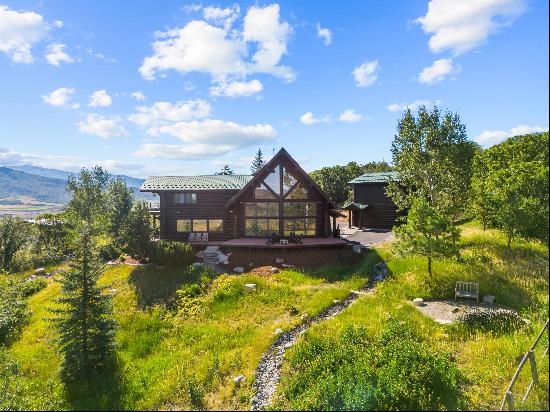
point(238, 269)
point(275, 270)
point(418, 302)
point(223, 259)
point(279, 261)
point(356, 248)
point(304, 316)
point(251, 286)
point(278, 331)
point(197, 264)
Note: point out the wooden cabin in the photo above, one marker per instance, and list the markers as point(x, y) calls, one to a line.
point(280, 198)
point(371, 207)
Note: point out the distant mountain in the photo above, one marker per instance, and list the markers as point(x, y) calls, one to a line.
point(14, 183)
point(63, 175)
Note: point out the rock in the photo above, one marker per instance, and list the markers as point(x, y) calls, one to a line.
point(197, 264)
point(224, 259)
point(251, 286)
point(40, 272)
point(278, 331)
point(356, 248)
point(418, 302)
point(238, 269)
point(279, 261)
point(239, 379)
point(304, 316)
point(490, 299)
point(250, 264)
point(31, 277)
point(287, 266)
point(275, 270)
point(335, 301)
point(112, 262)
point(455, 310)
point(113, 290)
point(287, 345)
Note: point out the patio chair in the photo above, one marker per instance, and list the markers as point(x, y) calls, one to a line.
point(192, 237)
point(205, 237)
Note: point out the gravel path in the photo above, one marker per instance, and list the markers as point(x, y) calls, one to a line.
point(268, 372)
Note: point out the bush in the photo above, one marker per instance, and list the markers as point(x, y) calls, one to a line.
point(499, 320)
point(395, 370)
point(109, 251)
point(13, 309)
point(173, 253)
point(33, 286)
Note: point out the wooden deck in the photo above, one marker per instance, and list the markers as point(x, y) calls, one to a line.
point(257, 243)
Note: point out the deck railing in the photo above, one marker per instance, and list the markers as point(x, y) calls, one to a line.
point(508, 399)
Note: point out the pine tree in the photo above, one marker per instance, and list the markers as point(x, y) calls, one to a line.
point(226, 170)
point(84, 324)
point(258, 162)
point(120, 200)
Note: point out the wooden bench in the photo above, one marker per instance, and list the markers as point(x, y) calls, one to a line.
point(198, 237)
point(467, 290)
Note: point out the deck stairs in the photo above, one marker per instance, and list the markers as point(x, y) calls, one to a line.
point(210, 256)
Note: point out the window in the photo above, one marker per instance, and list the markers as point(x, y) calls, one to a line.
point(305, 209)
point(302, 227)
point(261, 227)
point(215, 225)
point(273, 180)
point(183, 225)
point(263, 193)
point(261, 209)
point(288, 181)
point(200, 225)
point(299, 192)
point(185, 198)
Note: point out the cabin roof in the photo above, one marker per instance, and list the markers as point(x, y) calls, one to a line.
point(355, 206)
point(180, 183)
point(375, 177)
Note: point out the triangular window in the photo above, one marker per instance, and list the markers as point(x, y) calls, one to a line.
point(273, 180)
point(288, 181)
point(299, 192)
point(263, 193)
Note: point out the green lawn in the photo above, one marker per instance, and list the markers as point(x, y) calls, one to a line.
point(486, 361)
point(170, 359)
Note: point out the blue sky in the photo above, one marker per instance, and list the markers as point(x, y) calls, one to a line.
point(183, 88)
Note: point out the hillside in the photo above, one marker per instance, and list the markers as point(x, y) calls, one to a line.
point(14, 183)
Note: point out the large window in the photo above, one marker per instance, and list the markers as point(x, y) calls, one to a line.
point(199, 225)
point(181, 198)
point(183, 225)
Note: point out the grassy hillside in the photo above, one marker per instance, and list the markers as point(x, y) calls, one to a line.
point(14, 183)
point(485, 360)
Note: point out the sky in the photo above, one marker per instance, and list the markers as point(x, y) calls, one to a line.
point(182, 88)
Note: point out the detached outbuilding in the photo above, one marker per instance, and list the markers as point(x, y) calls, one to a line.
point(371, 207)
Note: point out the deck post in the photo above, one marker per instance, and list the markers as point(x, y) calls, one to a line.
point(349, 218)
point(533, 363)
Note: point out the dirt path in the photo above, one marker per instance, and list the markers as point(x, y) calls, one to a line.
point(268, 372)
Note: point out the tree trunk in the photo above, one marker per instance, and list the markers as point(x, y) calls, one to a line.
point(430, 266)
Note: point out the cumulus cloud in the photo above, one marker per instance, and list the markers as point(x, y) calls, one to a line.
point(309, 119)
point(138, 96)
point(164, 112)
point(55, 54)
point(438, 71)
point(350, 116)
point(206, 138)
point(235, 89)
point(324, 34)
point(226, 54)
point(102, 126)
point(100, 98)
point(399, 107)
point(366, 74)
point(19, 31)
point(61, 97)
point(463, 25)
point(491, 137)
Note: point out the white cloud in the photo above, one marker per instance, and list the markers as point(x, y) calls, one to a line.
point(398, 107)
point(138, 96)
point(491, 137)
point(100, 98)
point(222, 17)
point(56, 55)
point(235, 89)
point(102, 126)
point(165, 112)
point(227, 55)
point(350, 116)
point(61, 97)
point(438, 71)
point(324, 34)
point(366, 74)
point(309, 119)
point(206, 138)
point(19, 31)
point(464, 25)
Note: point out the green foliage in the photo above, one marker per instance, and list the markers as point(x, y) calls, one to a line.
point(510, 187)
point(108, 251)
point(258, 162)
point(334, 180)
point(84, 324)
point(14, 234)
point(13, 308)
point(173, 253)
point(427, 232)
point(53, 239)
point(394, 371)
point(137, 232)
point(31, 287)
point(226, 170)
point(433, 159)
point(498, 321)
point(120, 200)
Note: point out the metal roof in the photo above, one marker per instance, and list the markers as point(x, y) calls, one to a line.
point(377, 177)
point(177, 183)
point(355, 206)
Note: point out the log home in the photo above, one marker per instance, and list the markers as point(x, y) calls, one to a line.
point(280, 198)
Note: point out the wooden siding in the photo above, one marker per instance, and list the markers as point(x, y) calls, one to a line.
point(381, 213)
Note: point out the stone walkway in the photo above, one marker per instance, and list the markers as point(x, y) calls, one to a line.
point(367, 237)
point(268, 372)
point(446, 311)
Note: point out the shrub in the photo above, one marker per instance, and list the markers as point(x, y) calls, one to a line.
point(33, 286)
point(13, 309)
point(499, 320)
point(109, 251)
point(173, 253)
